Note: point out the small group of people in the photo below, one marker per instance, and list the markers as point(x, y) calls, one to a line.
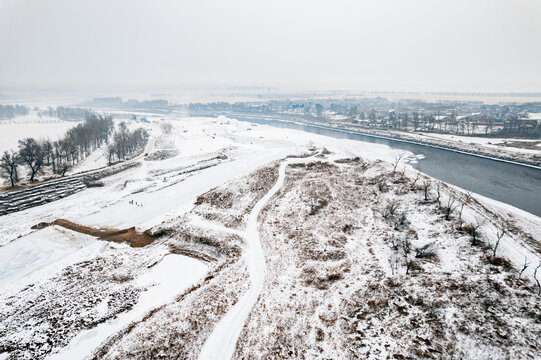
point(131, 202)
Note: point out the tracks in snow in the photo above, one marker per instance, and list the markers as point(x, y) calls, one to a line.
point(222, 342)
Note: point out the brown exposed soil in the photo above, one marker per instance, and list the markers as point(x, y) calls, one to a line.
point(129, 235)
point(532, 145)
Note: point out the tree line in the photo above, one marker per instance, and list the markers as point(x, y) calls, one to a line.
point(11, 111)
point(126, 143)
point(75, 146)
point(64, 113)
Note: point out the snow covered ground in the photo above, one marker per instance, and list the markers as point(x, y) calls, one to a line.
point(36, 251)
point(172, 275)
point(11, 131)
point(217, 158)
point(493, 143)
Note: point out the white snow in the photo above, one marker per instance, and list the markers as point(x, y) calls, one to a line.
point(247, 147)
point(11, 131)
point(167, 279)
point(97, 159)
point(489, 142)
point(35, 252)
point(222, 341)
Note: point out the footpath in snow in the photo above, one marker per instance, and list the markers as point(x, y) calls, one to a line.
point(222, 342)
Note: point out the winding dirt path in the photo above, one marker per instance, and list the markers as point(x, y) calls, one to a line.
point(222, 342)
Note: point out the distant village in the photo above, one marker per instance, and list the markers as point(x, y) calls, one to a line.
point(460, 118)
point(466, 118)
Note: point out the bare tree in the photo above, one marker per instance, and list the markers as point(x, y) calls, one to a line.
point(417, 177)
point(319, 110)
point(500, 233)
point(397, 158)
point(438, 192)
point(110, 153)
point(394, 260)
point(406, 249)
point(474, 231)
point(63, 168)
point(126, 143)
point(450, 207)
point(47, 148)
point(524, 267)
point(8, 166)
point(465, 201)
point(32, 155)
point(426, 188)
point(390, 209)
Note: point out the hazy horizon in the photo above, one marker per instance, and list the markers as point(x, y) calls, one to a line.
point(418, 46)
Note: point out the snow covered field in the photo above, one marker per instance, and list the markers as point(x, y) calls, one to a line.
point(203, 201)
point(11, 131)
point(172, 275)
point(34, 252)
point(493, 143)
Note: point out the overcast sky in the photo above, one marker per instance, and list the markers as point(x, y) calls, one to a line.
point(417, 45)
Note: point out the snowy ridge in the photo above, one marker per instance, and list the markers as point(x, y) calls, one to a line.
point(221, 343)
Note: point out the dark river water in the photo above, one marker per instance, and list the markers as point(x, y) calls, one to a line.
point(512, 184)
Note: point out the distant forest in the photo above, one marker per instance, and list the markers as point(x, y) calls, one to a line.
point(11, 111)
point(64, 113)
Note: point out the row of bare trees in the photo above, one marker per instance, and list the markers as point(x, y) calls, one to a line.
point(11, 111)
point(64, 113)
point(126, 143)
point(60, 155)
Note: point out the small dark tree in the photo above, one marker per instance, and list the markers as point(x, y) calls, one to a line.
point(438, 192)
point(319, 110)
point(382, 184)
point(63, 168)
point(426, 188)
point(31, 155)
point(473, 229)
point(110, 152)
point(450, 207)
point(396, 161)
point(8, 166)
point(500, 233)
point(406, 249)
point(526, 264)
point(426, 251)
point(47, 148)
point(390, 209)
point(465, 201)
point(417, 177)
